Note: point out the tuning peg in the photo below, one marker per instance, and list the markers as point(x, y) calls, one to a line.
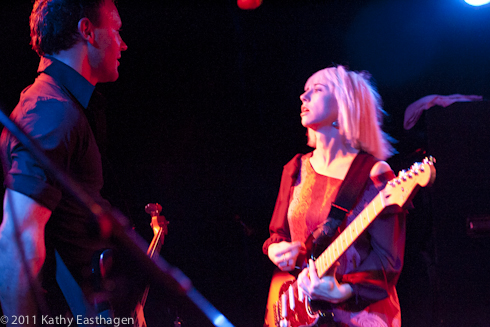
point(416, 168)
point(419, 167)
point(403, 175)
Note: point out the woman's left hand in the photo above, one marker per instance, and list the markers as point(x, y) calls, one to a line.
point(326, 288)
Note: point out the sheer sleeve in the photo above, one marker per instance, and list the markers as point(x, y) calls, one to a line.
point(279, 227)
point(381, 247)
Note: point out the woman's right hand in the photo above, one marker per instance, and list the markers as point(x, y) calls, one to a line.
point(284, 254)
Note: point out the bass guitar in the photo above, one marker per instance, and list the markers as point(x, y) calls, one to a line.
point(287, 306)
point(159, 227)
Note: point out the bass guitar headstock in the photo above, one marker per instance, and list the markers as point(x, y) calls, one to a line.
point(157, 221)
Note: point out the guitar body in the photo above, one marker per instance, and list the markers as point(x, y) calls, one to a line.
point(299, 311)
point(271, 312)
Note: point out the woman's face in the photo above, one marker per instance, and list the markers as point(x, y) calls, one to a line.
point(320, 107)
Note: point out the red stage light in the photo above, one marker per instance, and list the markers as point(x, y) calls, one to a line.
point(248, 4)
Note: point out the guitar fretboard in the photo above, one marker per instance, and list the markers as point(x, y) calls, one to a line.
point(349, 235)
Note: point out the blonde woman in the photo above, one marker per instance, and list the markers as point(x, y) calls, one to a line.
point(343, 115)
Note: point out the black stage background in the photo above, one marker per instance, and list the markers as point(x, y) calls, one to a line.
point(206, 112)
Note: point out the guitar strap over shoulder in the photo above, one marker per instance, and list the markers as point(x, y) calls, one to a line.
point(350, 189)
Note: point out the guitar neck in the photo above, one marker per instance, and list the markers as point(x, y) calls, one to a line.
point(156, 243)
point(325, 261)
point(159, 231)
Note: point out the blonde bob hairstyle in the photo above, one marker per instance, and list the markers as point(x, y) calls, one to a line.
point(360, 115)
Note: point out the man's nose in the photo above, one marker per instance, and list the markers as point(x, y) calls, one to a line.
point(124, 46)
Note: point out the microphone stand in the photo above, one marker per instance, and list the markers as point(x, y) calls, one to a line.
point(113, 224)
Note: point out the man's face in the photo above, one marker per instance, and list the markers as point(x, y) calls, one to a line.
point(108, 45)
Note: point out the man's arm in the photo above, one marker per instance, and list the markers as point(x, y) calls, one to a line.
point(27, 218)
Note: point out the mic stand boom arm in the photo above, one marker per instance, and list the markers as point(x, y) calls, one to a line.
point(114, 224)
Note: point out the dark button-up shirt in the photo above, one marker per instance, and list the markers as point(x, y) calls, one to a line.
point(52, 112)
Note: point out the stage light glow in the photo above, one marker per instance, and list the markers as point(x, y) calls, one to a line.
point(477, 2)
point(249, 4)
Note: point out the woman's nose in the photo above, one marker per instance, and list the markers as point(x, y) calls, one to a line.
point(303, 97)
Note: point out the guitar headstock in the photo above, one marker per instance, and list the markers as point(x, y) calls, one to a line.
point(158, 221)
point(402, 188)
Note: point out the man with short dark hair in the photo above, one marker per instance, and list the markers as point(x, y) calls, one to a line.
point(79, 45)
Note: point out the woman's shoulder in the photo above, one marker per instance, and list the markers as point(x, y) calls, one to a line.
point(293, 166)
point(297, 159)
point(381, 173)
point(380, 168)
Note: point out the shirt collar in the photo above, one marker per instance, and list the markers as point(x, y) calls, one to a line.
point(69, 78)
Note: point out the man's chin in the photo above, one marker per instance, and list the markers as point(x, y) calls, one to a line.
point(110, 78)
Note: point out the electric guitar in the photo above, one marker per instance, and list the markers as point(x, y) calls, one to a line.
point(287, 306)
point(159, 226)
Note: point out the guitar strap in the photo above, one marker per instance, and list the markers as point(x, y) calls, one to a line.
point(350, 189)
point(73, 294)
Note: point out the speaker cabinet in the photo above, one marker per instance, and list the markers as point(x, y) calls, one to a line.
point(458, 136)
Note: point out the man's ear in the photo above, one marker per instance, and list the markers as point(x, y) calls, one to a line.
point(86, 30)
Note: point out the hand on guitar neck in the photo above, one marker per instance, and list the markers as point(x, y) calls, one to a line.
point(159, 227)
